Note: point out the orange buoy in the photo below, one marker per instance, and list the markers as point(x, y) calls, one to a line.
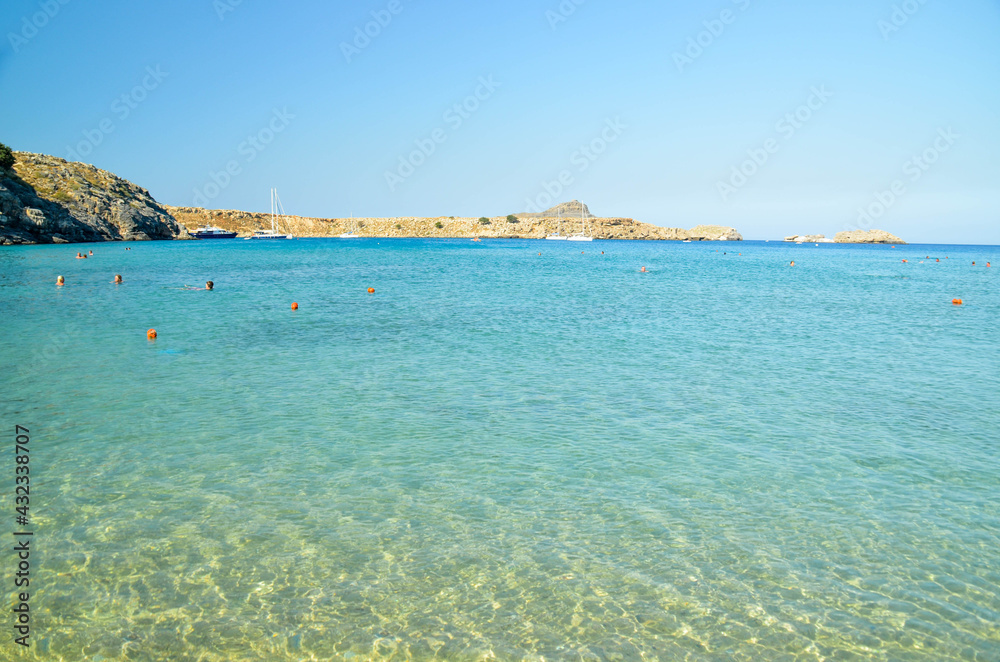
point(60, 281)
point(295, 306)
point(371, 290)
point(939, 259)
point(957, 302)
point(905, 261)
point(151, 334)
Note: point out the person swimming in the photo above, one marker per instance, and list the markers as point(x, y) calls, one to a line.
point(60, 281)
point(118, 279)
point(209, 285)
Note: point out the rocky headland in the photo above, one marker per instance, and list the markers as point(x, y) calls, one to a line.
point(44, 199)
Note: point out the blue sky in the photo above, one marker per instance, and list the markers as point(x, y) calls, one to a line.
point(616, 104)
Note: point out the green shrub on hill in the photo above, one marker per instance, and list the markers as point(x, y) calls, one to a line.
point(512, 219)
point(6, 157)
point(484, 221)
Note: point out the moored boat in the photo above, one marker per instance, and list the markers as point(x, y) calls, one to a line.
point(212, 232)
point(277, 211)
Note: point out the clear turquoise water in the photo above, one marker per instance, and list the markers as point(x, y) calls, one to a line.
point(506, 455)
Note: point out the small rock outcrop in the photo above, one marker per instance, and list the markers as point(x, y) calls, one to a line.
point(867, 237)
point(45, 199)
point(809, 238)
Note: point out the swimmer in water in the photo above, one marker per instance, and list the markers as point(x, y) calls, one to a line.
point(60, 281)
point(80, 256)
point(643, 270)
point(793, 263)
point(209, 285)
point(91, 252)
point(118, 279)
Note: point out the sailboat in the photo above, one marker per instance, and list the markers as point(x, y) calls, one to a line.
point(558, 236)
point(277, 211)
point(582, 234)
point(351, 232)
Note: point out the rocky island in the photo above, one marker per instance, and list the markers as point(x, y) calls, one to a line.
point(867, 237)
point(848, 237)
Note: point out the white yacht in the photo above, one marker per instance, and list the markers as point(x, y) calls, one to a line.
point(558, 235)
point(277, 211)
point(582, 234)
point(352, 231)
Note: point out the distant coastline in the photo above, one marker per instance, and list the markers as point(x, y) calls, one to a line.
point(527, 226)
point(46, 199)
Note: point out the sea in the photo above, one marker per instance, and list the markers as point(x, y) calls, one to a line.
point(510, 450)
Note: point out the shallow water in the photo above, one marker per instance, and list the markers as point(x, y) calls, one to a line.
point(506, 455)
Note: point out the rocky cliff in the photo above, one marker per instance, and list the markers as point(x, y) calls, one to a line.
point(867, 237)
point(530, 227)
point(44, 199)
